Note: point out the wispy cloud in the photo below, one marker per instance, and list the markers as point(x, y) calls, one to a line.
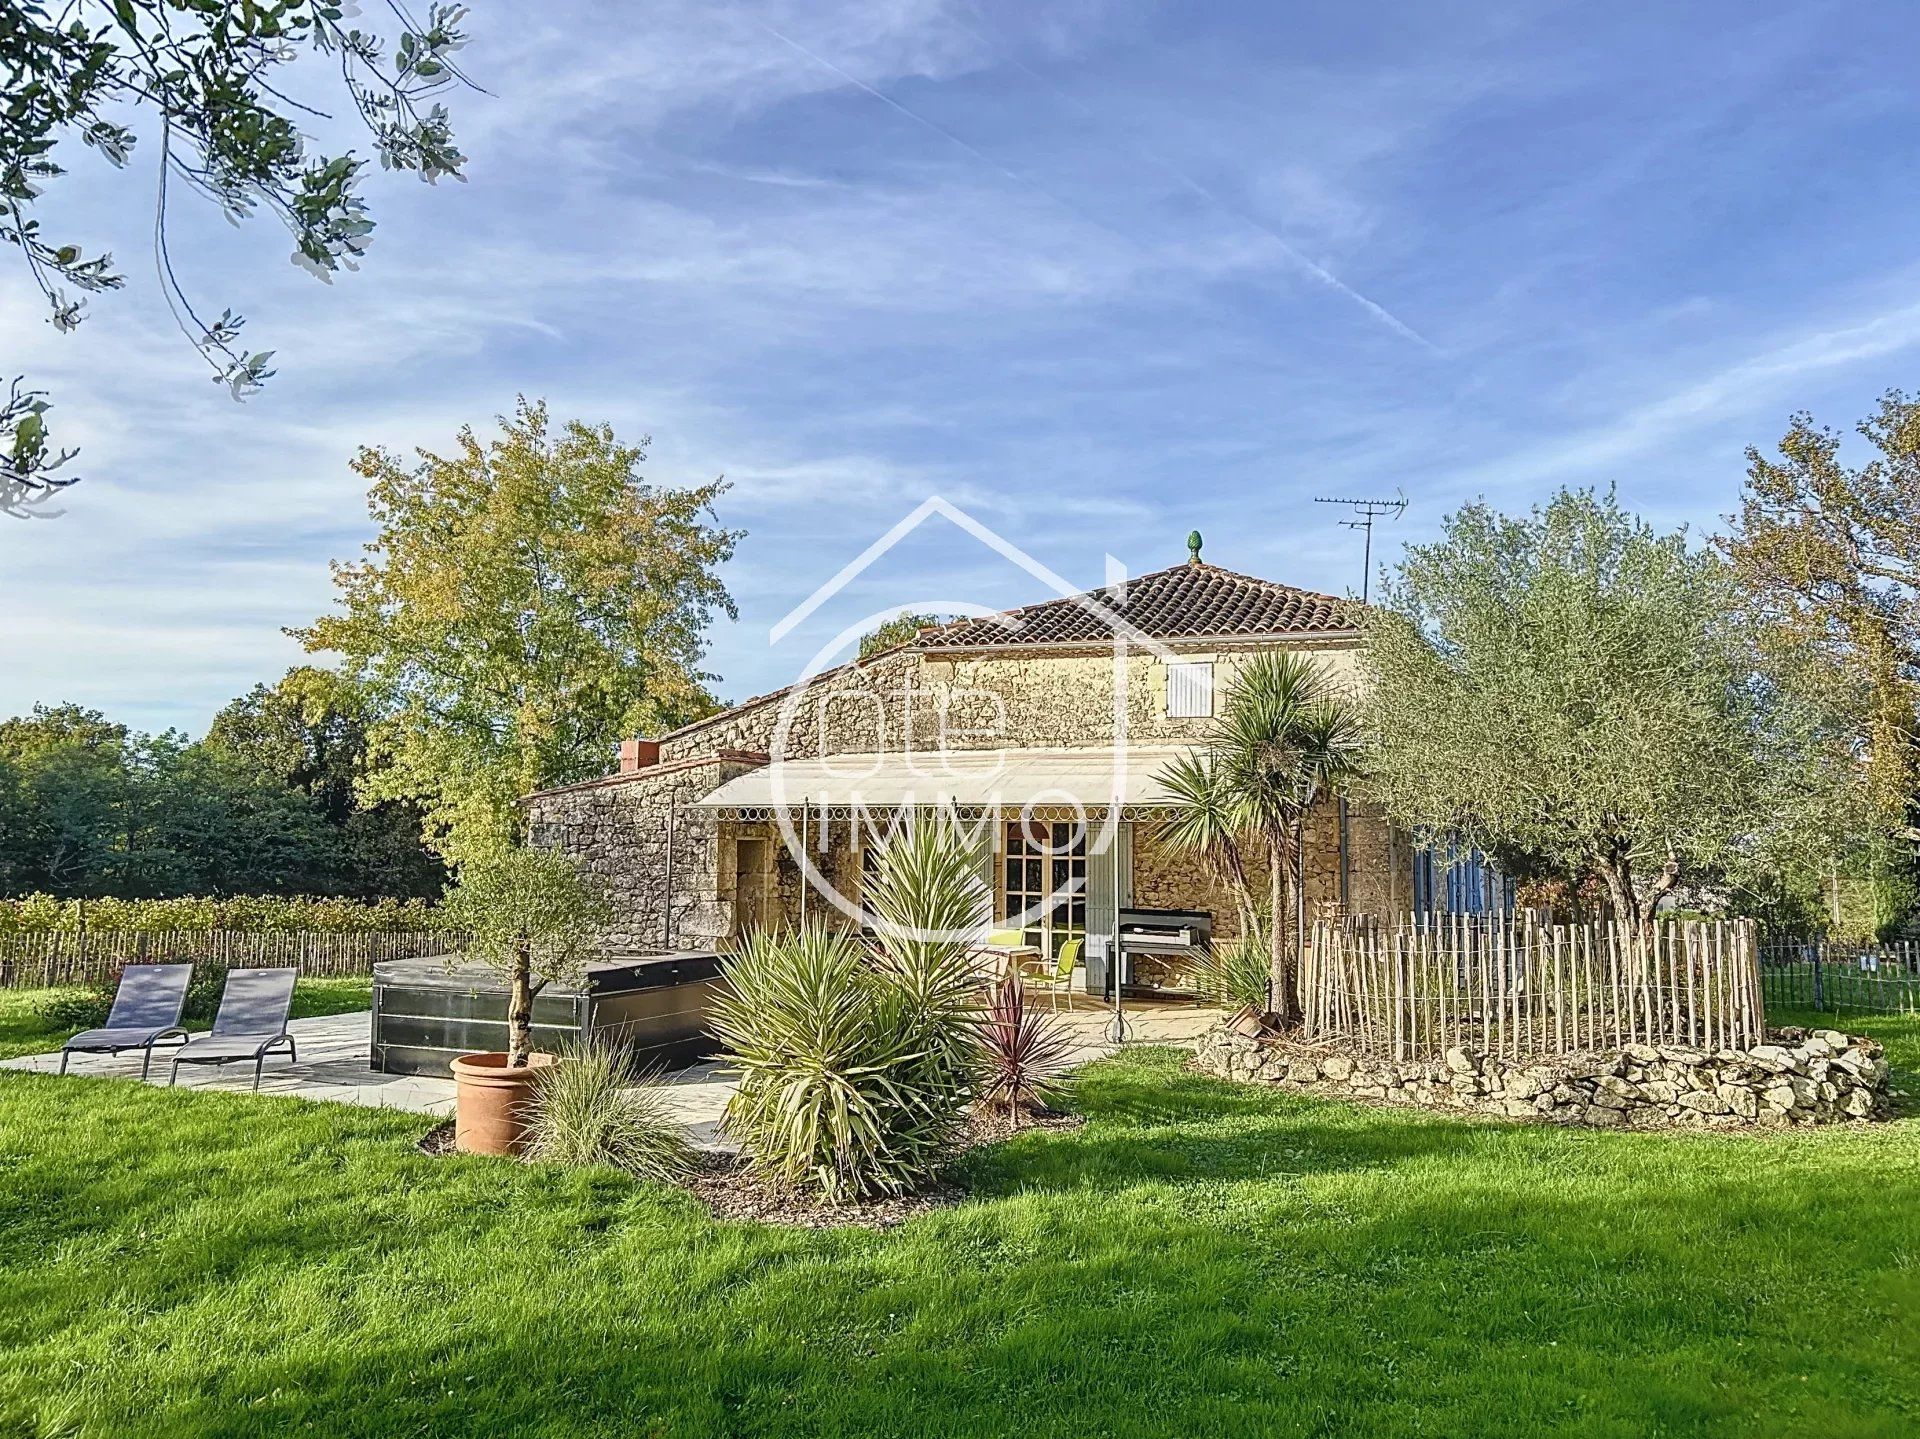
point(1099, 272)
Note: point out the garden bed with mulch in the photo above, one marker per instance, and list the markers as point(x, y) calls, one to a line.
point(723, 1183)
point(731, 1191)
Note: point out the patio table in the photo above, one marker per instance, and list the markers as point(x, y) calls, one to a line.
point(1012, 958)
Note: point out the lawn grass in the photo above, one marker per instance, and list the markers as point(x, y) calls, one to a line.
point(24, 1030)
point(1200, 1259)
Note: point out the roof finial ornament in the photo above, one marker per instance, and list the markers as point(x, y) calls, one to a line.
point(1193, 547)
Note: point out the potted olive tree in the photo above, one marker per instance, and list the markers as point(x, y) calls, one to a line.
point(532, 917)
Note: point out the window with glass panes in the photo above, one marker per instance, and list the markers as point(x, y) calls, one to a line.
point(1042, 861)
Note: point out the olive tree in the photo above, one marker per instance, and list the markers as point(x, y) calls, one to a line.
point(1573, 684)
point(532, 917)
point(209, 83)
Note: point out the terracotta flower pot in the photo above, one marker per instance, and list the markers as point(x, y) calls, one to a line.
point(491, 1102)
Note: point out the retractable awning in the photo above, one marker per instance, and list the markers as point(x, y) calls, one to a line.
point(1048, 782)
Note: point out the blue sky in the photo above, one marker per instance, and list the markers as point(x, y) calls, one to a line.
point(1097, 273)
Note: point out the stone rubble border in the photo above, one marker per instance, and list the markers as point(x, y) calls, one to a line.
point(1800, 1077)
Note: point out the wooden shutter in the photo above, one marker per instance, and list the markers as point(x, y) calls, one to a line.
point(1103, 900)
point(1190, 690)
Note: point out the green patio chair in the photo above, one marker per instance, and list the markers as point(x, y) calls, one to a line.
point(1005, 939)
point(1060, 981)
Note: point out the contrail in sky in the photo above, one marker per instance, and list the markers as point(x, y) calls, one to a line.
point(894, 104)
point(1300, 261)
point(1294, 256)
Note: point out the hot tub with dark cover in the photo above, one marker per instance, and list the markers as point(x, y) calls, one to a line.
point(652, 1005)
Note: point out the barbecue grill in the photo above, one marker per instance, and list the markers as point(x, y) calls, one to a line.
point(1158, 947)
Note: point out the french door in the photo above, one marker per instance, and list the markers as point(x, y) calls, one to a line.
point(1045, 888)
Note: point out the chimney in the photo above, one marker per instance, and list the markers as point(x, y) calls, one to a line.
point(638, 754)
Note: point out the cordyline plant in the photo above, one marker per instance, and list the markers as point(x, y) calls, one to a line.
point(533, 917)
point(1023, 1054)
point(856, 1058)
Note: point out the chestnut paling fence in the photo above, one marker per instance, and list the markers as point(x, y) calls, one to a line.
point(33, 959)
point(1815, 972)
point(1412, 989)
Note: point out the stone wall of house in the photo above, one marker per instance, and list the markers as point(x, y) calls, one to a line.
point(907, 699)
point(619, 829)
point(1802, 1077)
point(1033, 701)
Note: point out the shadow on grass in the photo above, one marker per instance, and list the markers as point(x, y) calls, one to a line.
point(1152, 1120)
point(1201, 1258)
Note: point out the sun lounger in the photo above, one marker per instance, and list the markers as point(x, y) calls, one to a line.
point(146, 1009)
point(251, 1024)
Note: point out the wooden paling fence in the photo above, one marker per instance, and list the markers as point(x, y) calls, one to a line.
point(1414, 988)
point(34, 959)
point(1815, 972)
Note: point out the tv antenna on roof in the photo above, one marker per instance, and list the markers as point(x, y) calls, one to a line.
point(1365, 513)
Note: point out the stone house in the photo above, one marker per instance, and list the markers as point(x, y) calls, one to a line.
point(1043, 729)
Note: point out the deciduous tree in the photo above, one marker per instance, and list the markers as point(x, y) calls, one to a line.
point(1827, 556)
point(526, 603)
point(309, 732)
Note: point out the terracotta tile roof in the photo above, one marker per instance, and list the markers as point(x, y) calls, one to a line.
point(1190, 601)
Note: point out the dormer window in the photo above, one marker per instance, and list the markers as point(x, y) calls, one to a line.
point(1190, 690)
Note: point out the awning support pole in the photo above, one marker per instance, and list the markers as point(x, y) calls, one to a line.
point(1116, 963)
point(806, 858)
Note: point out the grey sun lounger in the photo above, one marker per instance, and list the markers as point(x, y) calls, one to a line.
point(146, 1009)
point(251, 1024)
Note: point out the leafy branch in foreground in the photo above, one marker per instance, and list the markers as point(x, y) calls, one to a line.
point(210, 75)
point(27, 460)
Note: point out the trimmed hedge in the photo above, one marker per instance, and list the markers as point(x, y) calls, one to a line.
point(43, 914)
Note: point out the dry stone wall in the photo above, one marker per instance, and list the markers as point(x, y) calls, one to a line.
point(618, 829)
point(1817, 1076)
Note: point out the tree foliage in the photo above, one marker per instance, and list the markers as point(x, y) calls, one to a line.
point(533, 917)
point(208, 75)
point(527, 602)
point(309, 731)
point(90, 808)
point(896, 631)
point(46, 914)
point(1574, 686)
point(1828, 557)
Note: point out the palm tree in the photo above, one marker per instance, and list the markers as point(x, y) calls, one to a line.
point(1284, 740)
point(1204, 820)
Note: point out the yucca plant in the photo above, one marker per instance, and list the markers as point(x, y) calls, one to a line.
point(856, 1061)
point(594, 1107)
point(931, 905)
point(1023, 1053)
point(1236, 972)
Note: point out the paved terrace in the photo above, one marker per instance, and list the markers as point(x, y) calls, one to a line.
point(335, 1051)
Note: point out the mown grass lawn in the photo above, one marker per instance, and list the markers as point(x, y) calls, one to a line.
point(1200, 1259)
point(25, 1030)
